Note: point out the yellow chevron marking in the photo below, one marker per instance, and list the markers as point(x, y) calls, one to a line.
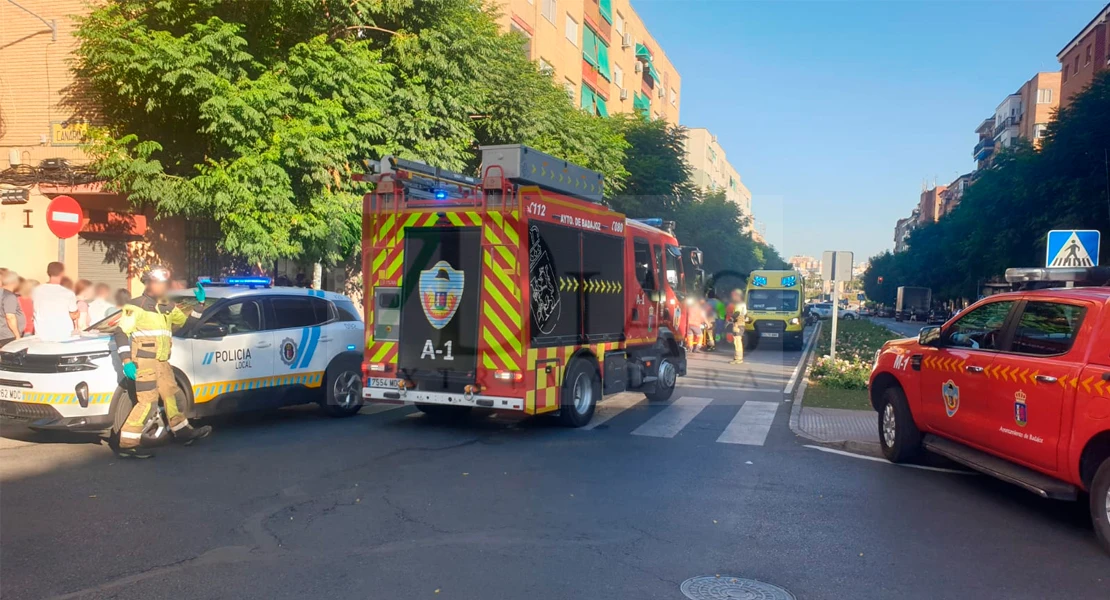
point(1087, 384)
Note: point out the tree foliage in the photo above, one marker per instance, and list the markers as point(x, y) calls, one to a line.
point(1003, 218)
point(257, 114)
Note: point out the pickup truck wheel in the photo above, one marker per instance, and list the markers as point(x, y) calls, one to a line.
point(580, 393)
point(898, 434)
point(1100, 504)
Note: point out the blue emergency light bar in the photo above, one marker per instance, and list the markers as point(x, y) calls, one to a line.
point(790, 281)
point(249, 281)
point(653, 222)
point(759, 281)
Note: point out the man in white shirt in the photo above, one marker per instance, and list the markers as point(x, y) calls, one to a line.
point(55, 306)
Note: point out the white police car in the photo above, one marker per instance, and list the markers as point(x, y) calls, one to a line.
point(255, 346)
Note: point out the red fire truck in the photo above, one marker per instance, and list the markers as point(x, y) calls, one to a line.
point(518, 291)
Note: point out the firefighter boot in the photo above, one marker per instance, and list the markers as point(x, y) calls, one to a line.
point(186, 434)
point(134, 452)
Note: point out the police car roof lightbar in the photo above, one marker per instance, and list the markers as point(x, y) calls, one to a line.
point(252, 281)
point(1091, 275)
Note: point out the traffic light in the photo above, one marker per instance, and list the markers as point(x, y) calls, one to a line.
point(880, 280)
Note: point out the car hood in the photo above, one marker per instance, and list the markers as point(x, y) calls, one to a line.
point(85, 342)
point(901, 342)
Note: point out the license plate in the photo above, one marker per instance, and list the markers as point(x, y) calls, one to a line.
point(383, 382)
point(7, 393)
point(766, 334)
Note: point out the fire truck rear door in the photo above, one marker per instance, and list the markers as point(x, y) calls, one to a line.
point(440, 286)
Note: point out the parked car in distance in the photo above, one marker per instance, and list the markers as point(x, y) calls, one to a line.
point(824, 311)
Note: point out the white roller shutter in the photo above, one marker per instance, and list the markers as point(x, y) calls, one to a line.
point(98, 260)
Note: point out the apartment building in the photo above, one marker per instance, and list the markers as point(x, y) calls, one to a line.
point(931, 205)
point(601, 52)
point(1040, 98)
point(1084, 56)
point(902, 230)
point(711, 170)
point(40, 159)
point(1025, 114)
point(953, 193)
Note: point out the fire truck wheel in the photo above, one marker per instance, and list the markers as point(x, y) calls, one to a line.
point(1100, 504)
point(664, 386)
point(898, 434)
point(440, 412)
point(581, 390)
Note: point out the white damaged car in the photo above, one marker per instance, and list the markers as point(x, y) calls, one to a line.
point(254, 347)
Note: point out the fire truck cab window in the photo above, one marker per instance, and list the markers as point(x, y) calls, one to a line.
point(658, 259)
point(644, 272)
point(674, 275)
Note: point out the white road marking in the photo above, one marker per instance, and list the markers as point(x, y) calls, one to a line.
point(883, 460)
point(793, 381)
point(612, 407)
point(751, 424)
point(668, 423)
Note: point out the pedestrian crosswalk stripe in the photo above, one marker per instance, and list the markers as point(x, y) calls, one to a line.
point(751, 424)
point(668, 423)
point(613, 407)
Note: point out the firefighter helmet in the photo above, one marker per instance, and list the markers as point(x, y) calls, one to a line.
point(156, 273)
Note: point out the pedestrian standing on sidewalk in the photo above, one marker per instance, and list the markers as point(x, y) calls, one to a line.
point(55, 306)
point(15, 322)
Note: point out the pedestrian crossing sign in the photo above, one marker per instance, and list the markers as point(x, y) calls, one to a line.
point(1072, 248)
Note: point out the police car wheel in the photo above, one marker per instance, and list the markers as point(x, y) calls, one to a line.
point(343, 396)
point(1100, 504)
point(898, 434)
point(155, 433)
point(580, 393)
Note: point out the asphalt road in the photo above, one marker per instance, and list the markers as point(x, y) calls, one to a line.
point(292, 504)
point(906, 328)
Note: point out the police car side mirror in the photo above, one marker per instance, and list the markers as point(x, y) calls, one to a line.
point(929, 336)
point(212, 330)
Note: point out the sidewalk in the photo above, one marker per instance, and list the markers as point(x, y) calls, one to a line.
point(854, 429)
point(831, 425)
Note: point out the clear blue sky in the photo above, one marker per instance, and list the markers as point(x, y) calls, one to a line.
point(834, 112)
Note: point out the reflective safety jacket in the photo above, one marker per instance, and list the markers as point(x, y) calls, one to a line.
point(146, 327)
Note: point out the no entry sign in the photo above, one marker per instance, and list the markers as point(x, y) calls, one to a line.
point(63, 217)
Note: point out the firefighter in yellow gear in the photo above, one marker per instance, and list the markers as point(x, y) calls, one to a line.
point(144, 339)
point(738, 310)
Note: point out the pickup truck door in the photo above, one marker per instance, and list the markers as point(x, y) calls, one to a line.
point(1033, 379)
point(955, 391)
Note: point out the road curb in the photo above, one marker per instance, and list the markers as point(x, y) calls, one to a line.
point(803, 383)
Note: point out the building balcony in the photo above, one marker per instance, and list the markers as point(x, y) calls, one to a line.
point(983, 149)
point(1004, 124)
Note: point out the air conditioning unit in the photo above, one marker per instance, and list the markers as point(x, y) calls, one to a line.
point(626, 41)
point(624, 94)
point(639, 68)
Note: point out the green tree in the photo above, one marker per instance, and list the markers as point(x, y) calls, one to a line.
point(659, 178)
point(256, 115)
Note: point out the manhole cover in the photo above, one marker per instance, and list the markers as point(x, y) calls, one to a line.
point(732, 588)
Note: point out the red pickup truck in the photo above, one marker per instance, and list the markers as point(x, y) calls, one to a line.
point(1016, 386)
